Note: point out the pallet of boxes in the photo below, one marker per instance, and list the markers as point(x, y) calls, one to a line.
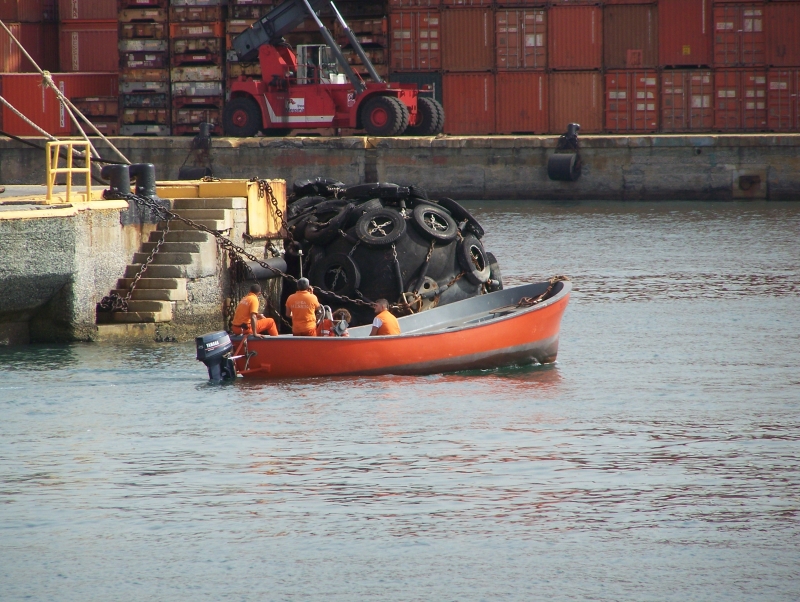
point(197, 45)
point(143, 68)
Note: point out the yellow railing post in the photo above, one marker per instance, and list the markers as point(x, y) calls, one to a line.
point(53, 155)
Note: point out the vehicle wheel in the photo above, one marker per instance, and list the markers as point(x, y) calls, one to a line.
point(336, 273)
point(384, 116)
point(380, 227)
point(435, 223)
point(460, 214)
point(473, 260)
point(494, 273)
point(430, 118)
point(242, 117)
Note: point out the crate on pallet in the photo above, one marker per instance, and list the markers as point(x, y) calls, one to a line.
point(181, 102)
point(196, 58)
point(108, 126)
point(244, 69)
point(203, 73)
point(196, 116)
point(153, 31)
point(146, 87)
point(213, 45)
point(145, 130)
point(198, 2)
point(209, 88)
point(143, 45)
point(144, 75)
point(145, 116)
point(197, 30)
point(248, 11)
point(159, 100)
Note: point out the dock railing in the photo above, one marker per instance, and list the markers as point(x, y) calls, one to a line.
point(53, 155)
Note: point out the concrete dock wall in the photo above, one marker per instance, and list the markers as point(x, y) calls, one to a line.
point(669, 167)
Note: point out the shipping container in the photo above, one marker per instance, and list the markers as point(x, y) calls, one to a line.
point(685, 35)
point(143, 75)
point(631, 100)
point(524, 3)
point(88, 46)
point(197, 30)
point(521, 38)
point(783, 34)
point(415, 40)
point(196, 74)
point(739, 37)
point(521, 103)
point(783, 100)
point(39, 41)
point(196, 45)
point(467, 39)
point(687, 101)
point(630, 36)
point(467, 3)
point(153, 31)
point(575, 37)
point(122, 4)
point(143, 15)
point(41, 105)
point(143, 45)
point(27, 11)
point(107, 126)
point(209, 88)
point(188, 14)
point(740, 100)
point(143, 60)
point(97, 106)
point(87, 10)
point(195, 116)
point(469, 103)
point(137, 101)
point(576, 97)
point(180, 102)
point(394, 4)
point(145, 115)
point(432, 80)
point(573, 2)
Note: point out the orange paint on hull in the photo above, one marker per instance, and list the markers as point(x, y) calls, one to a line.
point(527, 336)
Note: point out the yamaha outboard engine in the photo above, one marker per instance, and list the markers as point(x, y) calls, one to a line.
point(214, 350)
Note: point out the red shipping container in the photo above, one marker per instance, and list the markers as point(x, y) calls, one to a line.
point(783, 34)
point(576, 97)
point(630, 36)
point(684, 33)
point(632, 101)
point(575, 37)
point(41, 105)
point(521, 3)
point(740, 100)
point(783, 100)
point(573, 2)
point(739, 38)
point(467, 3)
point(521, 38)
point(27, 11)
point(87, 10)
point(469, 103)
point(415, 40)
point(687, 101)
point(522, 103)
point(38, 39)
point(467, 39)
point(88, 47)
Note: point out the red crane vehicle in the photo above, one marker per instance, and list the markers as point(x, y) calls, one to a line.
point(316, 87)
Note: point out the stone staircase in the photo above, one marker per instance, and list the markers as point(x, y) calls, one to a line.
point(186, 254)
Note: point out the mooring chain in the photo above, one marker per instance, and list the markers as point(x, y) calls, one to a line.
point(229, 246)
point(265, 190)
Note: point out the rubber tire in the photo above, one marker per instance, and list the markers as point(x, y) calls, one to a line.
point(384, 116)
point(564, 167)
point(315, 186)
point(322, 234)
point(465, 251)
point(431, 118)
point(302, 205)
point(320, 269)
point(364, 226)
point(242, 117)
point(460, 214)
point(450, 231)
point(494, 272)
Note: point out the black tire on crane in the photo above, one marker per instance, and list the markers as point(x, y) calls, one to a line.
point(242, 117)
point(431, 118)
point(384, 116)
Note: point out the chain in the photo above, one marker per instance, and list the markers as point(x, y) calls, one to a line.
point(530, 301)
point(114, 302)
point(265, 191)
point(228, 245)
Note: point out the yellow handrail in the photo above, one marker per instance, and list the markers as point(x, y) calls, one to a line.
point(53, 155)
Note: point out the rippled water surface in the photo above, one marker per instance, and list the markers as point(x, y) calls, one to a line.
point(658, 460)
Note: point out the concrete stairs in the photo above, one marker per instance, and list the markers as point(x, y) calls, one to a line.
point(185, 254)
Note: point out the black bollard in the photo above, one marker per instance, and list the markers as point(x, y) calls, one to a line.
point(145, 174)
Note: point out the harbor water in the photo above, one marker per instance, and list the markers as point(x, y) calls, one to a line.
point(657, 460)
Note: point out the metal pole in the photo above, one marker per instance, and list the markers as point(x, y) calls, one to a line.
point(356, 46)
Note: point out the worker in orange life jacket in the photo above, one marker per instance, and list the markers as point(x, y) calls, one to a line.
point(248, 321)
point(384, 323)
point(301, 307)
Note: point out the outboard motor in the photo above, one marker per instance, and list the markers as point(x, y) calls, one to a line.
point(214, 350)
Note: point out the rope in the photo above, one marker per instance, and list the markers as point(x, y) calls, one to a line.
point(48, 80)
point(25, 119)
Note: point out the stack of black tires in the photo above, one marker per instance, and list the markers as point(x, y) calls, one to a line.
point(381, 240)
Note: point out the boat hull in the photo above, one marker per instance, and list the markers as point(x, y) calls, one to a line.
point(445, 339)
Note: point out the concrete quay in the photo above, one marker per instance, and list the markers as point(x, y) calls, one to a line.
point(658, 167)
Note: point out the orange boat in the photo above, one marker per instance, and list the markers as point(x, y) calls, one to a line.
point(518, 325)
